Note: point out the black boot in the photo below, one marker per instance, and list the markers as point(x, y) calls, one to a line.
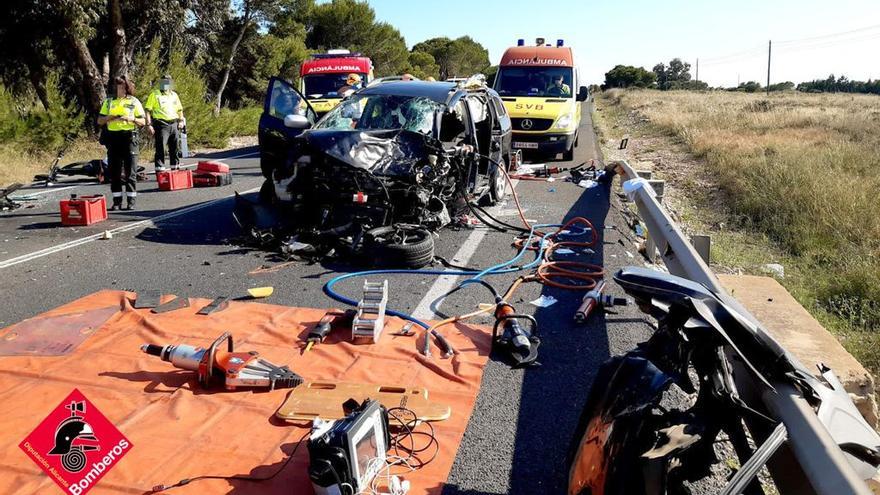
point(130, 203)
point(117, 204)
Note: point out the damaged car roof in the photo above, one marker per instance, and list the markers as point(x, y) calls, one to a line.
point(435, 91)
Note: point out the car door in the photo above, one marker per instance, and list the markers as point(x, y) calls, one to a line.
point(502, 133)
point(281, 99)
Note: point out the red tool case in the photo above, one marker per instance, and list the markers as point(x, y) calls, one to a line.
point(212, 174)
point(83, 210)
point(174, 179)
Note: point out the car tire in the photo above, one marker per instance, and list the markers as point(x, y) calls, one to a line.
point(497, 182)
point(568, 155)
point(399, 246)
point(267, 192)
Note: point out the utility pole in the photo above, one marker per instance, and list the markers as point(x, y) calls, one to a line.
point(698, 70)
point(769, 46)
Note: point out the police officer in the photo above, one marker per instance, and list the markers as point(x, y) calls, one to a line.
point(164, 115)
point(122, 114)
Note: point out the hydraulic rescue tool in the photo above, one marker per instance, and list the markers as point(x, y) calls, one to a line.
point(235, 369)
point(594, 299)
point(518, 343)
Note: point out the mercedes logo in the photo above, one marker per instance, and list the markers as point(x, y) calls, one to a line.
point(526, 124)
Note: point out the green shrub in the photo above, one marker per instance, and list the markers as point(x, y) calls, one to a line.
point(25, 123)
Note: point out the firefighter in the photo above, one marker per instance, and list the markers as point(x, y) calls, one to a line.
point(164, 117)
point(123, 114)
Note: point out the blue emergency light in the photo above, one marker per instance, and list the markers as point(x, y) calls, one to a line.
point(520, 42)
point(559, 43)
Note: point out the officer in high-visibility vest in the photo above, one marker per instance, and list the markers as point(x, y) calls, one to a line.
point(164, 116)
point(122, 115)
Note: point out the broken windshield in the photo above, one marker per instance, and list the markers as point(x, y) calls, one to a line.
point(368, 112)
point(550, 82)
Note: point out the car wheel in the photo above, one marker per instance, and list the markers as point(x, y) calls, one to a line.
point(497, 182)
point(404, 246)
point(568, 155)
point(267, 192)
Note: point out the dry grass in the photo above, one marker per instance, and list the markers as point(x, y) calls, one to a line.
point(19, 166)
point(799, 173)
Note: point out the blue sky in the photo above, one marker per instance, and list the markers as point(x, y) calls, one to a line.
point(644, 32)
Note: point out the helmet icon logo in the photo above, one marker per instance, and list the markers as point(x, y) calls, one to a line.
point(75, 444)
point(526, 124)
point(73, 438)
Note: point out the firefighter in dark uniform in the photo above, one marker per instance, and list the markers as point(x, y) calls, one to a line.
point(123, 115)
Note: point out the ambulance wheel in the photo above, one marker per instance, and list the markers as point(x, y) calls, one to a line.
point(403, 246)
point(568, 155)
point(267, 192)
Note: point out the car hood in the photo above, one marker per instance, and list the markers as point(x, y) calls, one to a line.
point(382, 152)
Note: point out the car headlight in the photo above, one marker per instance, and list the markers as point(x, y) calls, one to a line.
point(563, 122)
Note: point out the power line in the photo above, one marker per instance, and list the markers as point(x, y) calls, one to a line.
point(832, 35)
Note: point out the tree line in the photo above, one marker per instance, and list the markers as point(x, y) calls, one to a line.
point(840, 85)
point(677, 75)
point(234, 46)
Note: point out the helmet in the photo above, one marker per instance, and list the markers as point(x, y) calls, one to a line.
point(353, 79)
point(69, 430)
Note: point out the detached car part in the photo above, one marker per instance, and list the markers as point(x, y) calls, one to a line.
point(628, 443)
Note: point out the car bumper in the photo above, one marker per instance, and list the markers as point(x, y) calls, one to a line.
point(545, 143)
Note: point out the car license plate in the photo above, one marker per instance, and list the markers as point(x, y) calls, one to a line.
point(522, 144)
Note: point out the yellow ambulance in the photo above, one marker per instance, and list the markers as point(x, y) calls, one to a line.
point(324, 75)
point(537, 84)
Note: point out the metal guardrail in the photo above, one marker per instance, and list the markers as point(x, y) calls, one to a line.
point(815, 452)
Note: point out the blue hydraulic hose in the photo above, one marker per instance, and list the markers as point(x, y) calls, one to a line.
point(500, 268)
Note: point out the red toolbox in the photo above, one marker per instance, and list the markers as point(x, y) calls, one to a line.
point(211, 179)
point(173, 180)
point(212, 166)
point(212, 174)
point(83, 210)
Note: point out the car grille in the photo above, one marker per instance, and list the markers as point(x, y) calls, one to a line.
point(537, 124)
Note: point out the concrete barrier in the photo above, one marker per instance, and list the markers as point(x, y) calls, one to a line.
point(799, 333)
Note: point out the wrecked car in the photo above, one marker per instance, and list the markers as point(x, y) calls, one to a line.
point(398, 153)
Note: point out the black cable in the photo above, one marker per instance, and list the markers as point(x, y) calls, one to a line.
point(409, 432)
point(487, 224)
point(501, 222)
point(186, 481)
point(443, 261)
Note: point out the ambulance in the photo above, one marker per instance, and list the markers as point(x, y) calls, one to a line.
point(324, 74)
point(537, 86)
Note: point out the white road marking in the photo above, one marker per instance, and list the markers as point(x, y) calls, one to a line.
point(25, 197)
point(124, 228)
point(445, 283)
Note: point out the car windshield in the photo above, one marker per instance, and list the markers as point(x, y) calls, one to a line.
point(326, 85)
point(552, 82)
point(383, 112)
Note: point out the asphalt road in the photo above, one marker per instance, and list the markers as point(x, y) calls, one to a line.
point(179, 242)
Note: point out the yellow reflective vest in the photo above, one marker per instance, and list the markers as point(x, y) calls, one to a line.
point(129, 106)
point(163, 105)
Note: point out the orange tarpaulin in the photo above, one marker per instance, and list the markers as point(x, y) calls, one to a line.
point(179, 430)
